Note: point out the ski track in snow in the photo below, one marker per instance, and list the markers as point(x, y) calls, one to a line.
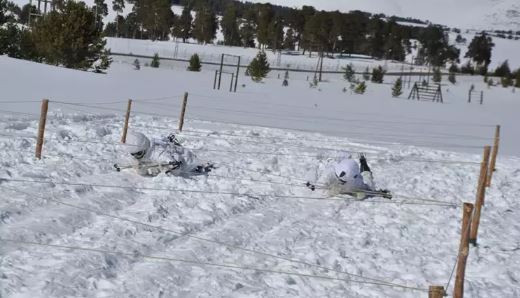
point(411, 245)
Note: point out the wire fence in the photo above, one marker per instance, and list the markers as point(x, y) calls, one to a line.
point(258, 153)
point(277, 256)
point(209, 264)
point(277, 142)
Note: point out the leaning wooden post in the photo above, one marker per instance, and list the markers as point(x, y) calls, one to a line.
point(436, 292)
point(183, 111)
point(494, 154)
point(41, 128)
point(127, 119)
point(458, 291)
point(481, 193)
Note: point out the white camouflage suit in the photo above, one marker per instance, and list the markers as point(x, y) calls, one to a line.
point(344, 177)
point(160, 155)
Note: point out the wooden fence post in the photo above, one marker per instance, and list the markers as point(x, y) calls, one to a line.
point(41, 128)
point(481, 194)
point(127, 119)
point(436, 292)
point(183, 111)
point(492, 165)
point(458, 291)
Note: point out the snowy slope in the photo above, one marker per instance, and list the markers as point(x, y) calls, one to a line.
point(477, 14)
point(375, 116)
point(206, 233)
point(406, 244)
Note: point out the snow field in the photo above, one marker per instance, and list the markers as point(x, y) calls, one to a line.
point(392, 242)
point(267, 141)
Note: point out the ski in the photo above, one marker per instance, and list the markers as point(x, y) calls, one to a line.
point(371, 193)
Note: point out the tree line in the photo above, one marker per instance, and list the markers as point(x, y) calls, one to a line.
point(281, 28)
point(245, 24)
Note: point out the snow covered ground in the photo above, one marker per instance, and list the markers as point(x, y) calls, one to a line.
point(206, 233)
point(504, 49)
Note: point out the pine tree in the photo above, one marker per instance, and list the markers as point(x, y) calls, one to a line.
point(194, 63)
point(264, 18)
point(118, 6)
point(230, 26)
point(366, 74)
point(454, 68)
point(378, 75)
point(248, 29)
point(276, 35)
point(104, 62)
point(503, 70)
point(290, 40)
point(349, 73)
point(452, 78)
point(182, 27)
point(259, 67)
point(205, 25)
point(155, 17)
point(360, 88)
point(397, 89)
point(100, 9)
point(506, 81)
point(480, 49)
point(155, 61)
point(137, 64)
point(437, 76)
point(77, 44)
point(517, 78)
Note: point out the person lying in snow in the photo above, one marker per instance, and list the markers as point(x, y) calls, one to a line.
point(347, 177)
point(163, 155)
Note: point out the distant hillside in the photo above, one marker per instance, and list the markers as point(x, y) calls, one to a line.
point(470, 14)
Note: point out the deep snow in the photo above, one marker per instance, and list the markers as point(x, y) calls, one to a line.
point(266, 140)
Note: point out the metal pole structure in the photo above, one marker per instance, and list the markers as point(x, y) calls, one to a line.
point(231, 85)
point(238, 71)
point(215, 80)
point(321, 65)
point(220, 72)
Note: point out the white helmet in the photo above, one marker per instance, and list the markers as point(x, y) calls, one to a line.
point(137, 144)
point(347, 170)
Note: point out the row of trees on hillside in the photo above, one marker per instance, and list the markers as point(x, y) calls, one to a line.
point(277, 28)
point(242, 24)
